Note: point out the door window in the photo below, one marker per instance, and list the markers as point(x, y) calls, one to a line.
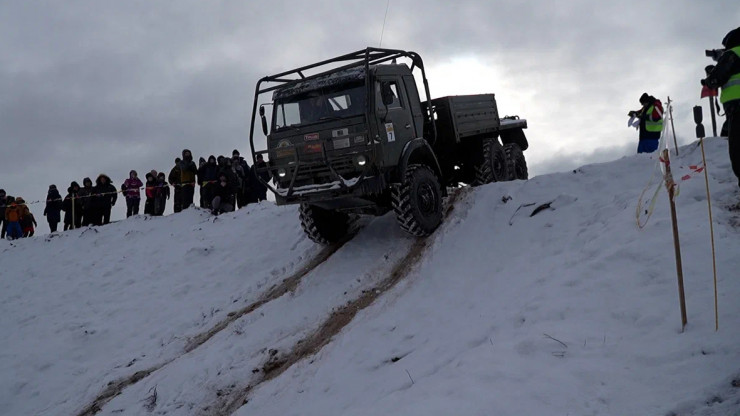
point(388, 94)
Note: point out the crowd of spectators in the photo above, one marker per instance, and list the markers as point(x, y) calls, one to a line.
point(225, 184)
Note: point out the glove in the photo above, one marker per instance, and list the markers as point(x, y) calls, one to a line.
point(632, 113)
point(703, 82)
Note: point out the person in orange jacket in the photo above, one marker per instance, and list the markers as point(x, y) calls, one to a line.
point(27, 222)
point(13, 219)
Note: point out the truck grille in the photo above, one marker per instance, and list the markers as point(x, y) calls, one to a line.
point(316, 172)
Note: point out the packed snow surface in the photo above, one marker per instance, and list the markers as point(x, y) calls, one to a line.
point(573, 310)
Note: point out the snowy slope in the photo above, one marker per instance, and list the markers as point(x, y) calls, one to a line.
point(571, 311)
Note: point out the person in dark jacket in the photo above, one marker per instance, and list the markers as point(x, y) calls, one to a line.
point(224, 168)
point(85, 195)
point(651, 123)
point(241, 170)
point(150, 190)
point(223, 195)
point(726, 75)
point(131, 190)
point(161, 194)
point(53, 209)
point(3, 205)
point(104, 196)
point(72, 207)
point(201, 167)
point(175, 178)
point(208, 177)
point(188, 172)
point(259, 189)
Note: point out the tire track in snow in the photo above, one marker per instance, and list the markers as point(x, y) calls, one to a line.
point(116, 387)
point(340, 318)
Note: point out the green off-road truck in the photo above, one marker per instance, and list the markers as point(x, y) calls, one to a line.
point(351, 135)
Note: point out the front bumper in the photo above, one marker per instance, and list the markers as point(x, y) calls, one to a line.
point(328, 175)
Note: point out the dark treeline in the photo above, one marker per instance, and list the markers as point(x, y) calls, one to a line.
point(225, 184)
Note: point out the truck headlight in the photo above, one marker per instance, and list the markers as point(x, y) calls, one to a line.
point(281, 172)
point(361, 160)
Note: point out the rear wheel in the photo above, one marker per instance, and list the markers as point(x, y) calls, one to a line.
point(417, 201)
point(493, 166)
point(324, 226)
point(517, 164)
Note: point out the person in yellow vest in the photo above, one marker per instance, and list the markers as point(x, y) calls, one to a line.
point(651, 123)
point(726, 75)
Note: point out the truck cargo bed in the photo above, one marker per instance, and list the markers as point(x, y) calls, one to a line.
point(460, 116)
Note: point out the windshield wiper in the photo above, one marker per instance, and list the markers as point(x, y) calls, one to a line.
point(330, 118)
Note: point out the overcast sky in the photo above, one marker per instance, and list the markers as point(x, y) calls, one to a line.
point(91, 86)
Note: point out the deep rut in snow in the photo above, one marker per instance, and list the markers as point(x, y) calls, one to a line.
point(114, 388)
point(314, 342)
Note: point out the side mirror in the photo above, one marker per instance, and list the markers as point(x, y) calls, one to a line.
point(264, 120)
point(698, 114)
point(386, 93)
point(700, 134)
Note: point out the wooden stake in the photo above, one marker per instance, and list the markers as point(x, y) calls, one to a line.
point(673, 129)
point(711, 233)
point(670, 186)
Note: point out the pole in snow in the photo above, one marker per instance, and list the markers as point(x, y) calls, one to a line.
point(673, 129)
point(671, 187)
point(700, 135)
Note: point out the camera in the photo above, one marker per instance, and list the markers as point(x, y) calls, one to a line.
point(714, 53)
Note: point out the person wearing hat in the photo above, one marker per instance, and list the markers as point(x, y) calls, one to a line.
point(223, 195)
point(259, 189)
point(13, 219)
point(175, 179)
point(201, 169)
point(161, 194)
point(53, 209)
point(726, 75)
point(104, 197)
point(651, 123)
point(28, 221)
point(131, 190)
point(150, 190)
point(208, 176)
point(241, 170)
point(85, 195)
point(188, 172)
point(72, 207)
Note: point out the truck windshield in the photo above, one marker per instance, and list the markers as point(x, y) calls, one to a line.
point(328, 103)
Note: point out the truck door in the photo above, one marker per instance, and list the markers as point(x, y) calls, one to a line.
point(396, 123)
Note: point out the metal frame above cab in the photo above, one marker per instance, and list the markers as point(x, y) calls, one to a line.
point(365, 57)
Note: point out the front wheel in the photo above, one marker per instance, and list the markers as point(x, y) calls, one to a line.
point(324, 226)
point(517, 164)
point(417, 201)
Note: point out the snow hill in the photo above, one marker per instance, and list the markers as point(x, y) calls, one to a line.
point(571, 311)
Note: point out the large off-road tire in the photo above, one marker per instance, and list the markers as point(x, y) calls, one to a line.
point(492, 166)
point(324, 226)
point(517, 164)
point(417, 201)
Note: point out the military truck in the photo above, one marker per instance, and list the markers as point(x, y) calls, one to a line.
point(350, 135)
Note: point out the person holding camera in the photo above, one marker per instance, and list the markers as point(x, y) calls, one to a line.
point(726, 75)
point(651, 123)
